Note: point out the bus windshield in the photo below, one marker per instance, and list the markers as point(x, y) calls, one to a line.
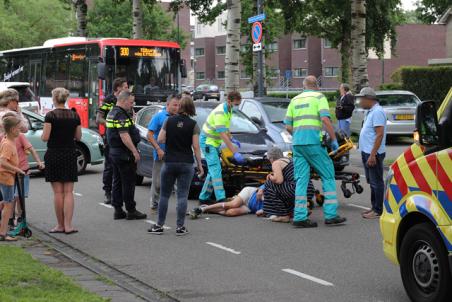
point(148, 70)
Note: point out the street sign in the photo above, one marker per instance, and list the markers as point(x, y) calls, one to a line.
point(256, 18)
point(288, 74)
point(257, 47)
point(256, 32)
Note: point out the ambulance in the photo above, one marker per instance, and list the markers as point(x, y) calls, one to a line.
point(416, 224)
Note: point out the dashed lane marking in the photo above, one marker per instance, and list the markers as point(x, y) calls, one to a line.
point(153, 222)
point(224, 248)
point(78, 194)
point(106, 205)
point(358, 206)
point(308, 277)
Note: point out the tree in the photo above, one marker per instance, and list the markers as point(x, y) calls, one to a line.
point(22, 24)
point(137, 16)
point(112, 19)
point(359, 52)
point(232, 72)
point(430, 10)
point(81, 10)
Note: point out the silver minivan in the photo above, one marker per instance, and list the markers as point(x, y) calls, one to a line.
point(400, 108)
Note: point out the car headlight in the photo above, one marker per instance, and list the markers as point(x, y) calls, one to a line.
point(287, 138)
point(100, 140)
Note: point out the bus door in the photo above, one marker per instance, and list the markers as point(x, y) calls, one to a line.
point(93, 93)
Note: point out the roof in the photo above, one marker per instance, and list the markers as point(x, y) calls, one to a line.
point(269, 99)
point(206, 104)
point(443, 19)
point(389, 92)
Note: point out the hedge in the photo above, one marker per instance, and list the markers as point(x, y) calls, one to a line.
point(332, 96)
point(390, 86)
point(428, 83)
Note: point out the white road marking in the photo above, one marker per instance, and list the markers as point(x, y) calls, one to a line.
point(78, 194)
point(308, 277)
point(106, 205)
point(153, 222)
point(223, 248)
point(358, 206)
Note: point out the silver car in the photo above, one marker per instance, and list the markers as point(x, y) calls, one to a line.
point(400, 108)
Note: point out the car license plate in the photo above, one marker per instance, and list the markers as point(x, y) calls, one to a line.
point(214, 94)
point(404, 117)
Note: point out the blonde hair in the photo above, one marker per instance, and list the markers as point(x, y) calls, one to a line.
point(7, 96)
point(60, 95)
point(10, 120)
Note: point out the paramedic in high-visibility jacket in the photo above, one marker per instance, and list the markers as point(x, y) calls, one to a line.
point(214, 132)
point(305, 116)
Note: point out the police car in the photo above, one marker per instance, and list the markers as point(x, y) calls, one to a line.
point(416, 224)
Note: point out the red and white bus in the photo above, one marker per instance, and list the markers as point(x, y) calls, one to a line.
point(87, 68)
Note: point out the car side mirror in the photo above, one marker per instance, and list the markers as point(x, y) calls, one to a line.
point(257, 121)
point(427, 126)
point(183, 69)
point(101, 67)
point(37, 125)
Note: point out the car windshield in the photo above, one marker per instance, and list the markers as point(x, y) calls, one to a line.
point(397, 100)
point(239, 122)
point(276, 111)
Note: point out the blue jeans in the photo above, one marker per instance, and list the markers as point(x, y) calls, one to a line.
point(344, 125)
point(183, 174)
point(374, 177)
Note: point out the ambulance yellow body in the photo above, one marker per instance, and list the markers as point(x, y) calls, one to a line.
point(416, 224)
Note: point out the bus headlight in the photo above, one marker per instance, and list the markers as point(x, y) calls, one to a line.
point(287, 138)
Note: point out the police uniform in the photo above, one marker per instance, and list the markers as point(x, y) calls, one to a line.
point(123, 162)
point(107, 177)
point(304, 116)
point(218, 121)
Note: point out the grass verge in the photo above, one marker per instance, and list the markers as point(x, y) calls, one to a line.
point(25, 279)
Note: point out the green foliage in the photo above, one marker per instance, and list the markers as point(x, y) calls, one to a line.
point(22, 23)
point(114, 19)
point(430, 10)
point(390, 86)
point(428, 83)
point(410, 17)
point(24, 279)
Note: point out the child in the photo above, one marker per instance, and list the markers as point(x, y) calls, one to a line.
point(9, 166)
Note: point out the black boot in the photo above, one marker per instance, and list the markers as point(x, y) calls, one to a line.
point(304, 224)
point(107, 198)
point(119, 214)
point(336, 220)
point(135, 215)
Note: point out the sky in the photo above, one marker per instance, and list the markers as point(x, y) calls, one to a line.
point(408, 4)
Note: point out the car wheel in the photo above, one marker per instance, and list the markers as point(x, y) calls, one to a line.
point(424, 265)
point(82, 158)
point(139, 180)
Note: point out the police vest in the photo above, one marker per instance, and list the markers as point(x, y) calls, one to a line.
point(304, 114)
point(119, 120)
point(219, 120)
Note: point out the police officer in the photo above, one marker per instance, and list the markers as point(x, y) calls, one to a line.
point(123, 137)
point(215, 131)
point(305, 116)
point(119, 85)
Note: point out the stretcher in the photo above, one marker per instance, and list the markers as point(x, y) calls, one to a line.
point(257, 167)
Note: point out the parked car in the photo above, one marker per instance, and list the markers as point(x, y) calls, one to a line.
point(269, 113)
point(27, 99)
point(206, 92)
point(90, 149)
point(400, 108)
point(254, 140)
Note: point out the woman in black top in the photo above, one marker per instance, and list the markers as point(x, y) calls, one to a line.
point(61, 130)
point(180, 133)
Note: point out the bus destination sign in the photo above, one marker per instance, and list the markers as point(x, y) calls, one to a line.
point(139, 52)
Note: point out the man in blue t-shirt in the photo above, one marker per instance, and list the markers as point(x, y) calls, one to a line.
point(248, 201)
point(154, 127)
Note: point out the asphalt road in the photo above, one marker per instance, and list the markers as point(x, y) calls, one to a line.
point(232, 259)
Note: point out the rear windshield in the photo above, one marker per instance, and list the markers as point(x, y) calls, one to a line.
point(398, 100)
point(276, 111)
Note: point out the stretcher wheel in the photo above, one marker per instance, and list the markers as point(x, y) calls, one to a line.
point(320, 200)
point(347, 193)
point(310, 204)
point(27, 233)
point(359, 189)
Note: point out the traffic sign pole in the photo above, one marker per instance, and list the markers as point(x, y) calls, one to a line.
point(260, 64)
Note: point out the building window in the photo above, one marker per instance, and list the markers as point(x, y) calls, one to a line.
point(220, 74)
point(244, 74)
point(299, 43)
point(331, 71)
point(200, 75)
point(274, 72)
point(221, 50)
point(327, 43)
point(199, 52)
point(300, 72)
point(272, 47)
point(198, 28)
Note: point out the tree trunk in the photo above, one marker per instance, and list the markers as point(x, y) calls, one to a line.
point(137, 15)
point(345, 51)
point(359, 51)
point(232, 73)
point(81, 10)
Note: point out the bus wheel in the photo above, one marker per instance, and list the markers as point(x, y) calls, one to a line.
point(424, 265)
point(82, 159)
